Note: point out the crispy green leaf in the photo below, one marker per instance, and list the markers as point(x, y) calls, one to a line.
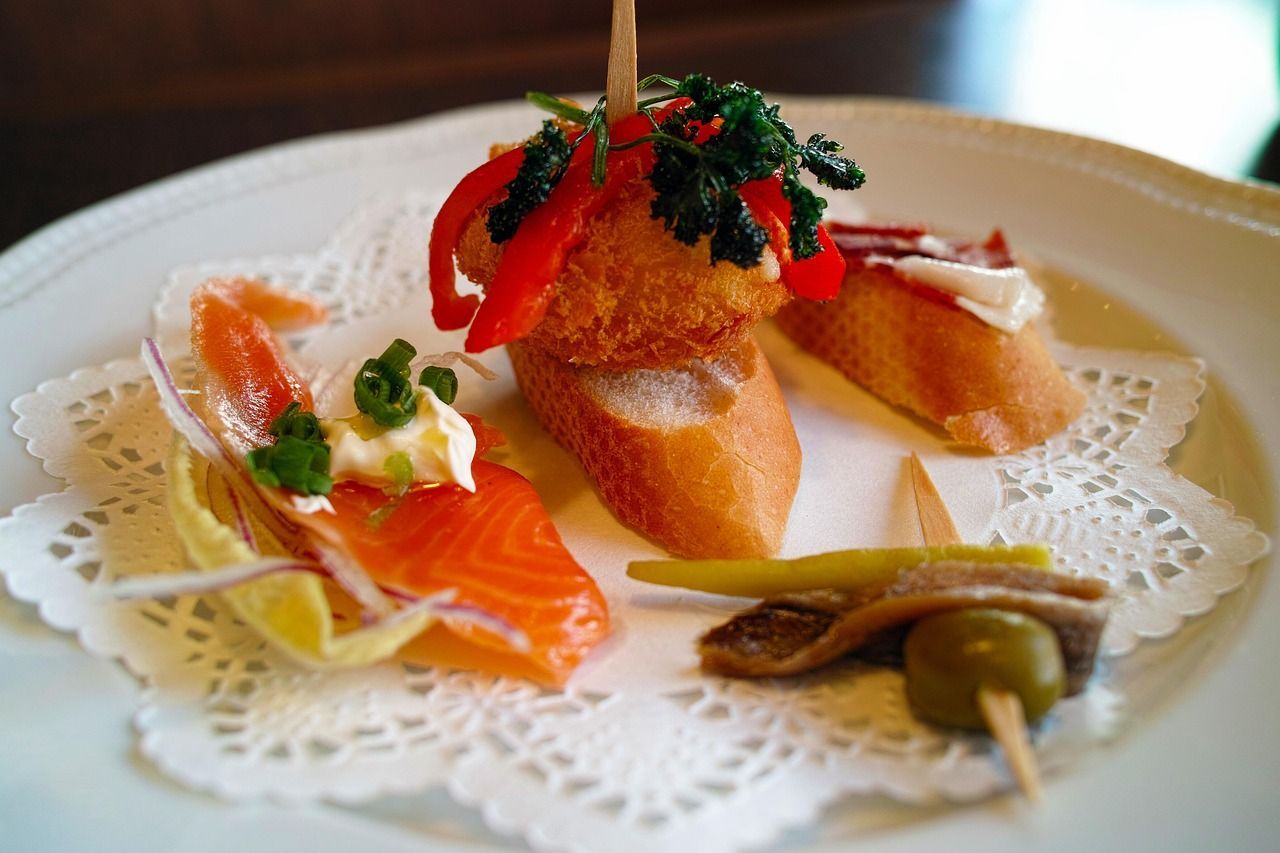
point(696, 176)
point(545, 158)
point(818, 155)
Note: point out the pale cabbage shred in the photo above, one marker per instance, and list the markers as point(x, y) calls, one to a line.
point(439, 443)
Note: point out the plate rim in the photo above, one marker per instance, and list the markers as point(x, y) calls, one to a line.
point(35, 260)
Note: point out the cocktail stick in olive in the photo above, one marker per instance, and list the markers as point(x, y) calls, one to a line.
point(974, 668)
point(950, 656)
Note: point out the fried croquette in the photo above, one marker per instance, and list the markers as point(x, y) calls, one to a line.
point(631, 296)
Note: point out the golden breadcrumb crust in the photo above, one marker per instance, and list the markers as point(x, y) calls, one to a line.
point(632, 296)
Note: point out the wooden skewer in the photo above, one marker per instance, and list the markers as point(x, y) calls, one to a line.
point(1001, 709)
point(621, 86)
point(935, 518)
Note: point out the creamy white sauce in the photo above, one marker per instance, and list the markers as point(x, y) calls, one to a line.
point(1005, 298)
point(438, 441)
point(311, 504)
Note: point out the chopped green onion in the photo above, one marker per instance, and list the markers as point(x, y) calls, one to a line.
point(399, 467)
point(297, 423)
point(382, 513)
point(382, 387)
point(293, 463)
point(442, 380)
point(399, 354)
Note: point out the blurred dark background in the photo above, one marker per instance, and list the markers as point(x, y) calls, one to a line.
point(98, 96)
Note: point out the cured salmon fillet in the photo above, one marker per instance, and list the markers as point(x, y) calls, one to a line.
point(497, 547)
point(241, 370)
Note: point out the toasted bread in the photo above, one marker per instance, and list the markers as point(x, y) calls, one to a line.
point(701, 458)
point(986, 387)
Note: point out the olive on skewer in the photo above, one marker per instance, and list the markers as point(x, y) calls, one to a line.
point(969, 666)
point(989, 635)
point(948, 659)
point(986, 669)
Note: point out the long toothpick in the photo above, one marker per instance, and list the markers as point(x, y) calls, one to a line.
point(1001, 709)
point(621, 86)
point(935, 518)
point(1003, 714)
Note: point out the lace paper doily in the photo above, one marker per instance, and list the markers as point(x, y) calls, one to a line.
point(665, 760)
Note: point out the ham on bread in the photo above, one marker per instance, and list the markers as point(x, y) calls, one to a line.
point(912, 345)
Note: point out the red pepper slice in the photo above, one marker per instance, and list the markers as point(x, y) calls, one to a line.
point(449, 309)
point(815, 277)
point(819, 276)
point(517, 298)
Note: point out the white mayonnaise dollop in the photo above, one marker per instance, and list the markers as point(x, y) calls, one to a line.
point(438, 441)
point(1005, 298)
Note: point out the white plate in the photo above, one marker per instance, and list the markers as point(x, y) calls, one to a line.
point(1193, 255)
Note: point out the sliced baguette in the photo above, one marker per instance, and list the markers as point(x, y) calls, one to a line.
point(702, 458)
point(986, 387)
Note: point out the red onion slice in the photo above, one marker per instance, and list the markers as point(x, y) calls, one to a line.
point(440, 604)
point(471, 615)
point(188, 424)
point(243, 525)
point(214, 580)
point(355, 582)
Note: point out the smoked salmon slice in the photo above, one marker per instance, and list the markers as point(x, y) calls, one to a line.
point(497, 547)
point(242, 373)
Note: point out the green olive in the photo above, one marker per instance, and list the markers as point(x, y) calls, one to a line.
point(948, 657)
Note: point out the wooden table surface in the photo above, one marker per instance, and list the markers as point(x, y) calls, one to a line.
point(99, 96)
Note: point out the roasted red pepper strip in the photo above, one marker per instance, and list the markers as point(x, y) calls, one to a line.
point(816, 277)
point(522, 293)
point(516, 299)
point(819, 276)
point(449, 309)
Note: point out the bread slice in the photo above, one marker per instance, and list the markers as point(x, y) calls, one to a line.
point(702, 458)
point(986, 387)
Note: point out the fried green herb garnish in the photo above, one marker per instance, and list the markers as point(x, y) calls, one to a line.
point(545, 157)
point(698, 171)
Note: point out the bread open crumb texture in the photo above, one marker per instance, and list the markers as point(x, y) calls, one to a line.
point(703, 459)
